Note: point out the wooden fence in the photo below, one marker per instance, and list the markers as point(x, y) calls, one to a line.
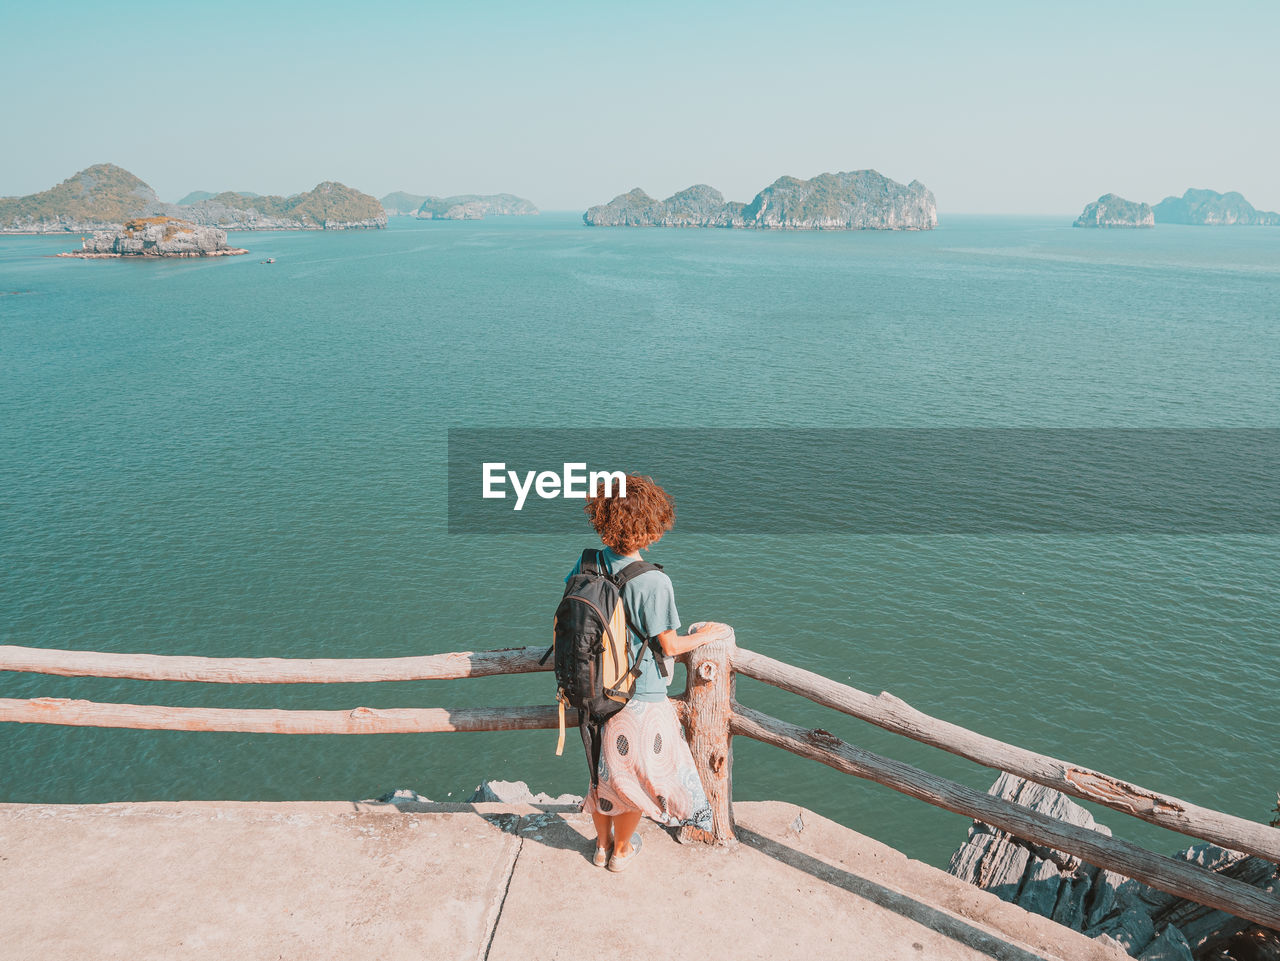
point(712, 717)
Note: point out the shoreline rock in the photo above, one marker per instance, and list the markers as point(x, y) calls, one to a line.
point(487, 792)
point(516, 792)
point(89, 255)
point(1146, 923)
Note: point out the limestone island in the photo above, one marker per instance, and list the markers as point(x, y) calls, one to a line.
point(459, 207)
point(1110, 210)
point(1210, 208)
point(156, 237)
point(853, 200)
point(105, 197)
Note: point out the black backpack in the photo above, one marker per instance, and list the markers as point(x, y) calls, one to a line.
point(594, 670)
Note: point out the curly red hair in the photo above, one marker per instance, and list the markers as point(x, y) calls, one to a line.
point(631, 523)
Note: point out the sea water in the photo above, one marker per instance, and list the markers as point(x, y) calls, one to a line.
point(230, 458)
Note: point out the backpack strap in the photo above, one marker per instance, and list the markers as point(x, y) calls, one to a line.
point(652, 644)
point(632, 571)
point(623, 577)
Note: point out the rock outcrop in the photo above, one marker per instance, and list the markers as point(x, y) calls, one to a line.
point(854, 200)
point(402, 795)
point(1111, 210)
point(488, 792)
point(858, 200)
point(516, 792)
point(635, 208)
point(1210, 208)
point(1146, 923)
point(103, 197)
point(157, 237)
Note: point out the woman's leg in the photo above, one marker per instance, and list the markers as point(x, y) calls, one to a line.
point(624, 825)
point(603, 825)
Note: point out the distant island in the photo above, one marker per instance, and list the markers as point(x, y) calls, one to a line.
point(1111, 210)
point(854, 200)
point(401, 204)
point(328, 206)
point(105, 197)
point(460, 207)
point(1198, 207)
point(1210, 208)
point(157, 237)
point(198, 195)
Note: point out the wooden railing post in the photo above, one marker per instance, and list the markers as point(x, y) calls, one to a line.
point(707, 715)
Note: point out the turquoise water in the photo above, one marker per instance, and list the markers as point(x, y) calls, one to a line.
point(226, 458)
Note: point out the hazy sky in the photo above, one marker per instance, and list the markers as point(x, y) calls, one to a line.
point(1024, 107)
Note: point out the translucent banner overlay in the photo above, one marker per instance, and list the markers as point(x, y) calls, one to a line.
point(883, 480)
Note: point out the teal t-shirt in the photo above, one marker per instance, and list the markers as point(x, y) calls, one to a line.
point(650, 602)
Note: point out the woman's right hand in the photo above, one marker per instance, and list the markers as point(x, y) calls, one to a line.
point(674, 644)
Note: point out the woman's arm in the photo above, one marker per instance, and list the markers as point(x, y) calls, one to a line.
point(674, 644)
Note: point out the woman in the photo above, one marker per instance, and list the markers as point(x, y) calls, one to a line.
point(645, 766)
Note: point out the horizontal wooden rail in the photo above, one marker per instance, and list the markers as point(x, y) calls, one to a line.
point(884, 711)
point(360, 720)
point(273, 670)
point(1182, 878)
point(892, 714)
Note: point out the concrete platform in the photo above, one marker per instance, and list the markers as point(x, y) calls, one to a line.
point(349, 881)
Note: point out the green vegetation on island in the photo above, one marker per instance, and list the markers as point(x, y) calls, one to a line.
point(101, 194)
point(330, 203)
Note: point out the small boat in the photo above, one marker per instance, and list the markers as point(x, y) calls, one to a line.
point(269, 260)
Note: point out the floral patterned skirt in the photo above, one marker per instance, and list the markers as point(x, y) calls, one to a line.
point(645, 765)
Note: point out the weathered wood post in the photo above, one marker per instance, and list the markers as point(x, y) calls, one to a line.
point(706, 713)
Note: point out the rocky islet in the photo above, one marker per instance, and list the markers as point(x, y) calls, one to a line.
point(1112, 210)
point(157, 237)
